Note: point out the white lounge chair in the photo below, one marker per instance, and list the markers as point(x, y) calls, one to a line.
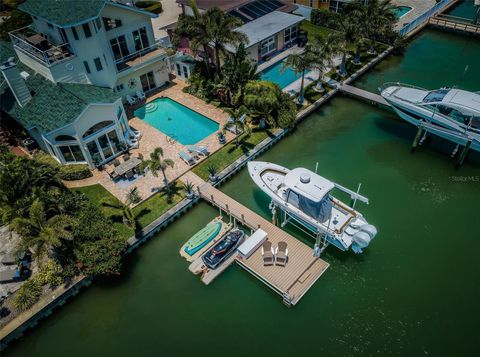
point(131, 100)
point(133, 143)
point(135, 133)
point(201, 150)
point(187, 158)
point(141, 95)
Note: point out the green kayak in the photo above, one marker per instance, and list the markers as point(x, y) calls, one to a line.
point(202, 237)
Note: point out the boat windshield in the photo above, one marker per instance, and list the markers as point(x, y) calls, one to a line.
point(436, 95)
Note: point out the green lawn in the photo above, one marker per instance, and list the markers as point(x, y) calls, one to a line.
point(147, 211)
point(228, 154)
point(314, 30)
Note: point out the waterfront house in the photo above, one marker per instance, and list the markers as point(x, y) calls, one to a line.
point(270, 26)
point(331, 5)
point(64, 76)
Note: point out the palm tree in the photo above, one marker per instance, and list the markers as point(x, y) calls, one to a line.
point(325, 49)
point(42, 234)
point(237, 123)
point(379, 20)
point(262, 100)
point(222, 32)
point(301, 62)
point(197, 29)
point(158, 163)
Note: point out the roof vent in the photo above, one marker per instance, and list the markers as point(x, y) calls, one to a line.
point(25, 75)
point(16, 82)
point(305, 178)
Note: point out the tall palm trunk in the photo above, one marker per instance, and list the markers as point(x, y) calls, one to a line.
point(165, 180)
point(301, 97)
point(356, 60)
point(343, 65)
point(217, 59)
point(207, 60)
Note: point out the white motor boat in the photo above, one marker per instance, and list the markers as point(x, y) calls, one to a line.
point(452, 114)
point(306, 198)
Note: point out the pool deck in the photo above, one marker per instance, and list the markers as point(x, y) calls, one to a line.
point(152, 138)
point(418, 8)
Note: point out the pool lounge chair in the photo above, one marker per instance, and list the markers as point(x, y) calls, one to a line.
point(8, 276)
point(187, 158)
point(242, 119)
point(201, 150)
point(267, 253)
point(131, 100)
point(281, 254)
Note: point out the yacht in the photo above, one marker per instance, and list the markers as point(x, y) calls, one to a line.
point(452, 114)
point(306, 198)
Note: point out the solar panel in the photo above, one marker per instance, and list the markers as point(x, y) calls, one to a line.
point(271, 6)
point(255, 6)
point(249, 12)
point(239, 15)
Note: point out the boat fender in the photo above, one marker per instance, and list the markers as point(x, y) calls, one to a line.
point(369, 229)
point(362, 239)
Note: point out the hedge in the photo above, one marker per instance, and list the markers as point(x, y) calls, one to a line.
point(65, 172)
point(152, 6)
point(325, 18)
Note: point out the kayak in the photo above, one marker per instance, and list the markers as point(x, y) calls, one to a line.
point(202, 238)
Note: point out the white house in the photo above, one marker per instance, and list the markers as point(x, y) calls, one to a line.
point(65, 75)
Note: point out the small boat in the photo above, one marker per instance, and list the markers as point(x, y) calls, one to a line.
point(452, 114)
point(306, 198)
point(223, 249)
point(202, 238)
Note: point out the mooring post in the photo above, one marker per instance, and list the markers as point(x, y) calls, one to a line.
point(417, 138)
point(464, 153)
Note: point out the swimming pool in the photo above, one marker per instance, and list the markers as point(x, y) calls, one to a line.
point(176, 120)
point(401, 10)
point(275, 74)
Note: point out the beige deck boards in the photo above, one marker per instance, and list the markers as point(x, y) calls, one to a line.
point(208, 275)
point(357, 92)
point(454, 25)
point(226, 227)
point(302, 268)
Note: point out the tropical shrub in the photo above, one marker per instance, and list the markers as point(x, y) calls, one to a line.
point(27, 295)
point(65, 172)
point(50, 274)
point(325, 18)
point(152, 6)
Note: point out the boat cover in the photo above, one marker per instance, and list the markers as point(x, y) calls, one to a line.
point(321, 211)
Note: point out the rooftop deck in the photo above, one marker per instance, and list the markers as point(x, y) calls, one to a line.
point(302, 269)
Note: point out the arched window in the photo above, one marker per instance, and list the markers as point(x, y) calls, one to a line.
point(65, 138)
point(97, 127)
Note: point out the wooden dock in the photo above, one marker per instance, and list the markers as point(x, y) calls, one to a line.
point(363, 94)
point(208, 275)
point(226, 227)
point(454, 23)
point(302, 269)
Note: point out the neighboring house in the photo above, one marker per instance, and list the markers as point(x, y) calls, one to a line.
point(331, 5)
point(64, 77)
point(268, 24)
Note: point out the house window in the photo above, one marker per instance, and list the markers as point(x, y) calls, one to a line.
point(97, 127)
point(311, 3)
point(75, 34)
point(148, 81)
point(98, 64)
point(119, 47)
point(111, 24)
point(291, 33)
point(72, 153)
point(104, 147)
point(86, 30)
point(120, 87)
point(87, 67)
point(140, 39)
point(267, 46)
point(65, 138)
point(105, 59)
point(179, 70)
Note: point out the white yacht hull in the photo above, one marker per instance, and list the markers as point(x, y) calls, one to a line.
point(338, 230)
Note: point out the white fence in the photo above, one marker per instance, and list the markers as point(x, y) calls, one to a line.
point(420, 20)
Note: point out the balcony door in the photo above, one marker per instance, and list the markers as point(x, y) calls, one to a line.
point(140, 39)
point(148, 81)
point(119, 47)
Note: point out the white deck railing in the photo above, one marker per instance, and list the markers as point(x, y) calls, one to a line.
point(423, 18)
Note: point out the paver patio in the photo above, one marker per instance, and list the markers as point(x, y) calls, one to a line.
point(152, 138)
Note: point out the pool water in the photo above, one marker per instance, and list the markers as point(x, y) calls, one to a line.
point(276, 75)
point(401, 10)
point(177, 121)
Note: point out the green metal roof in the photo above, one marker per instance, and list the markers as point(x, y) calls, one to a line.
point(53, 105)
point(66, 13)
point(63, 13)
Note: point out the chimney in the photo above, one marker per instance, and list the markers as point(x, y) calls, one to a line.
point(16, 82)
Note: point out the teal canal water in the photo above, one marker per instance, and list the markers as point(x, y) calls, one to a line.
point(413, 292)
point(465, 9)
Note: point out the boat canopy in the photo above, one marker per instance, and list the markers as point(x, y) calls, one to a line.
point(308, 184)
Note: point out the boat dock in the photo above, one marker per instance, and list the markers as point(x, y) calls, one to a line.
point(292, 281)
point(454, 23)
point(363, 94)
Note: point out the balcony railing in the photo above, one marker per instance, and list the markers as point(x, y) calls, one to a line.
point(38, 47)
point(139, 57)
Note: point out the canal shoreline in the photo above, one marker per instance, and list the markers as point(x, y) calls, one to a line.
point(16, 327)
